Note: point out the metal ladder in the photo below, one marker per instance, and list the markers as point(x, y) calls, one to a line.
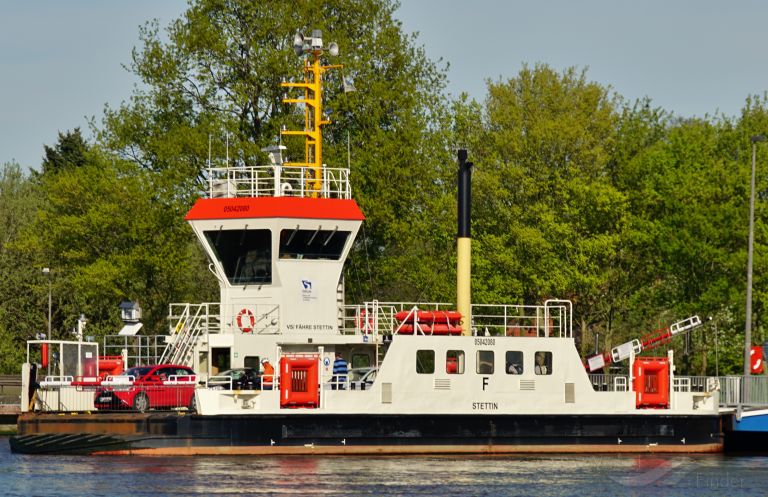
point(181, 346)
point(340, 302)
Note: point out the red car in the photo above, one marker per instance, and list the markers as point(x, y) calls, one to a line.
point(148, 387)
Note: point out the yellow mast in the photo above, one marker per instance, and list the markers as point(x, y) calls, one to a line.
point(313, 106)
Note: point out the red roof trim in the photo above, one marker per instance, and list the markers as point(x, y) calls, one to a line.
point(274, 207)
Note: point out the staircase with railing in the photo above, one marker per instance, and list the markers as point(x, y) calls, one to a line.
point(193, 321)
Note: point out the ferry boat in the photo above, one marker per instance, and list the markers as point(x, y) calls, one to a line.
point(469, 378)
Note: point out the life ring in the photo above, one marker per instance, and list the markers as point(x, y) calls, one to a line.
point(251, 318)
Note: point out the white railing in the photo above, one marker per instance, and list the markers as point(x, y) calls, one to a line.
point(122, 379)
point(177, 379)
point(277, 181)
point(683, 384)
point(57, 381)
point(192, 323)
point(137, 350)
point(553, 319)
point(696, 384)
point(189, 321)
point(255, 319)
point(266, 320)
point(219, 381)
point(618, 383)
point(374, 318)
point(65, 358)
point(743, 391)
point(609, 383)
point(210, 315)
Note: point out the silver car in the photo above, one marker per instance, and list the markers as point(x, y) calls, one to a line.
point(362, 378)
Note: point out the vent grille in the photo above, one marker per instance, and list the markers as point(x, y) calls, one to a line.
point(442, 383)
point(570, 393)
point(386, 393)
point(529, 385)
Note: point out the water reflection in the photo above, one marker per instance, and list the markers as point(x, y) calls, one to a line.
point(675, 475)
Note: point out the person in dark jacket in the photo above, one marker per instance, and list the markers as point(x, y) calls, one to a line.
point(340, 372)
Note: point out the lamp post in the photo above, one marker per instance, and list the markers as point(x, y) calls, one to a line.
point(47, 274)
point(81, 322)
point(748, 325)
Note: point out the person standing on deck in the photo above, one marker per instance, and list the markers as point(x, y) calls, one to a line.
point(267, 375)
point(541, 366)
point(340, 372)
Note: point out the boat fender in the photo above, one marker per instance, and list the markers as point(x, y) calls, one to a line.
point(246, 327)
point(44, 355)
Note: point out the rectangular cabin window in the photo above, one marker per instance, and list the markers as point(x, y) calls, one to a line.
point(425, 361)
point(484, 362)
point(312, 244)
point(543, 363)
point(361, 361)
point(245, 255)
point(514, 362)
point(252, 361)
point(454, 362)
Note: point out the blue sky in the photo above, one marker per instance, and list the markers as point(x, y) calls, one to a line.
point(61, 61)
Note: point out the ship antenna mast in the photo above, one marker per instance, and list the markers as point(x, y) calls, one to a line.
point(313, 104)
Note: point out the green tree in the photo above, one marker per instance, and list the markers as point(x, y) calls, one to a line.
point(549, 220)
point(687, 185)
point(109, 232)
point(69, 151)
point(220, 71)
point(22, 308)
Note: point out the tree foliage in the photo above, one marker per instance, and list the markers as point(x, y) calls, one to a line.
point(638, 217)
point(68, 152)
point(108, 232)
point(550, 221)
point(22, 308)
point(220, 71)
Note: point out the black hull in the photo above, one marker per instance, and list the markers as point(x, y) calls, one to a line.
point(746, 442)
point(172, 433)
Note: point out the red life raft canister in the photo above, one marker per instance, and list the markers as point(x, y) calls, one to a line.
point(651, 382)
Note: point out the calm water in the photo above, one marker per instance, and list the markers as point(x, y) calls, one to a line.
point(538, 476)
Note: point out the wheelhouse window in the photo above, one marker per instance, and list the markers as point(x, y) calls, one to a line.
point(543, 363)
point(454, 362)
point(425, 361)
point(245, 255)
point(484, 362)
point(514, 362)
point(312, 244)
